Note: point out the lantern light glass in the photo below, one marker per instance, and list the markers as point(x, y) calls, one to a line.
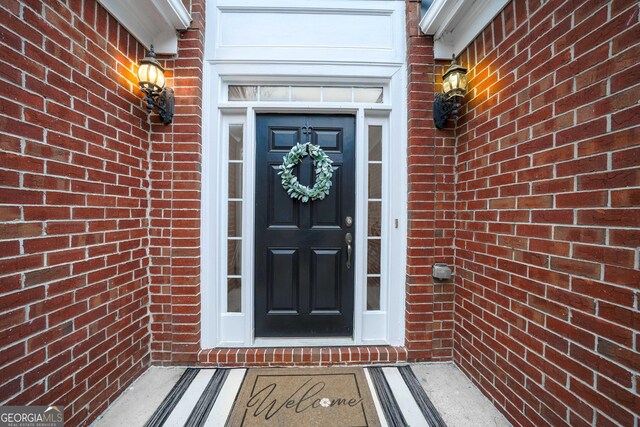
point(454, 87)
point(151, 73)
point(454, 81)
point(152, 84)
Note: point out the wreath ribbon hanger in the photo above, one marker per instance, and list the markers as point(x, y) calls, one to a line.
point(306, 130)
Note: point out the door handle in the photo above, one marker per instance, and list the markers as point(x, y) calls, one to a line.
point(348, 239)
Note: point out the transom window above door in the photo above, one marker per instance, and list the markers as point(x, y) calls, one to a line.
point(370, 95)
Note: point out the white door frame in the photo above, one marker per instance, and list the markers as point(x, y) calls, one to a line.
point(386, 326)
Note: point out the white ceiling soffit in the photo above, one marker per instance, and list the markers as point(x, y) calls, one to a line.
point(151, 21)
point(456, 23)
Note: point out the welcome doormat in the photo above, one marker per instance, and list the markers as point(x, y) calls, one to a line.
point(299, 397)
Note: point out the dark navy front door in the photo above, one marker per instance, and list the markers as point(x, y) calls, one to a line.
point(303, 284)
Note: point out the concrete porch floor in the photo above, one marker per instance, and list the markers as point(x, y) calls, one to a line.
point(457, 400)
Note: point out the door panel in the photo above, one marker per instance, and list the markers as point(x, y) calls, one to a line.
point(328, 139)
point(281, 138)
point(302, 285)
point(327, 213)
point(325, 270)
point(283, 280)
point(283, 211)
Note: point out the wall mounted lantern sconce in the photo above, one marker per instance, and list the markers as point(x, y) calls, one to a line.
point(152, 84)
point(454, 87)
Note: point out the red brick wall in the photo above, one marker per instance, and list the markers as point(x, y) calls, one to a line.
point(548, 218)
point(73, 205)
point(176, 161)
point(431, 156)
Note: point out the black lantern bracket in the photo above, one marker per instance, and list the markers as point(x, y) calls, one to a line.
point(443, 108)
point(163, 103)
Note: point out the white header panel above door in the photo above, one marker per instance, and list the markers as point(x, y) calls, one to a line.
point(348, 31)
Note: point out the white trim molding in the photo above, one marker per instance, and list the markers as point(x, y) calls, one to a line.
point(456, 23)
point(299, 43)
point(151, 21)
point(331, 31)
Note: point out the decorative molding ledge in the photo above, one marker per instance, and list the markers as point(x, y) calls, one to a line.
point(456, 23)
point(151, 21)
point(306, 31)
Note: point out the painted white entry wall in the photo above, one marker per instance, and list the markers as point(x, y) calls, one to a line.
point(338, 43)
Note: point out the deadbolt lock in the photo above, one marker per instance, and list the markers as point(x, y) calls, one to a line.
point(348, 221)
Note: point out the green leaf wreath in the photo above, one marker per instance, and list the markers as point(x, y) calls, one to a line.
point(324, 172)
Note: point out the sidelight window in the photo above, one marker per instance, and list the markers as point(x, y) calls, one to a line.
point(234, 218)
point(374, 217)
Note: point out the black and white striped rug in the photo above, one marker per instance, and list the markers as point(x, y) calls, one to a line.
point(207, 397)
